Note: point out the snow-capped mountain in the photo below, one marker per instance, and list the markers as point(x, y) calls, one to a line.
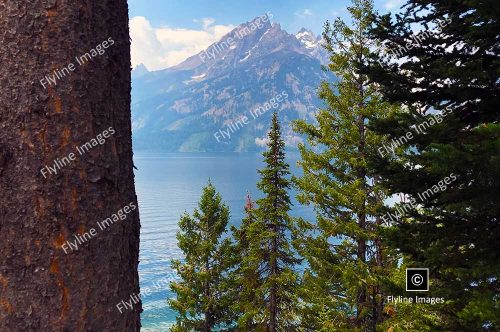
point(307, 38)
point(200, 104)
point(313, 44)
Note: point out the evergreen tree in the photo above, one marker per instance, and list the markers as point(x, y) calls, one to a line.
point(342, 287)
point(202, 300)
point(270, 260)
point(442, 57)
point(245, 279)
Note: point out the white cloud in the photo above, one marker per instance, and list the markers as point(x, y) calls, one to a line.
point(206, 22)
point(290, 141)
point(159, 48)
point(262, 142)
point(304, 13)
point(391, 4)
point(293, 140)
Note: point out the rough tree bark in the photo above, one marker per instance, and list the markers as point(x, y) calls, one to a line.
point(41, 287)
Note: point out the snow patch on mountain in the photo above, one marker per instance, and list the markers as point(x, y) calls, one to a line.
point(307, 38)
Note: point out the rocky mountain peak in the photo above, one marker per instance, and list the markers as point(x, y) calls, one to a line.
point(307, 38)
point(182, 107)
point(251, 40)
point(139, 70)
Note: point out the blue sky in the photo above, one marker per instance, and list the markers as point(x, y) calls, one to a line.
point(164, 32)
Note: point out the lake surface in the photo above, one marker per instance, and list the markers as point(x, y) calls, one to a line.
point(167, 185)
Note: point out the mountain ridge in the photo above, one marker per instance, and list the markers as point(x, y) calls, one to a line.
point(182, 107)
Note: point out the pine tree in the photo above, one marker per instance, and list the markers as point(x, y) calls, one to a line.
point(202, 299)
point(270, 255)
point(342, 286)
point(245, 279)
point(449, 67)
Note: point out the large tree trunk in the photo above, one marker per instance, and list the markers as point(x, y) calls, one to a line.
point(41, 287)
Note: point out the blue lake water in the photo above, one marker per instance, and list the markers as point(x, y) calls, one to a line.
point(167, 185)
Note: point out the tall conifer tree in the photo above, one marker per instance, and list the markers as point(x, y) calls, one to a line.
point(202, 300)
point(270, 255)
point(446, 60)
point(245, 278)
point(347, 259)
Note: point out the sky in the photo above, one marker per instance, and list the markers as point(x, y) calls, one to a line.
point(166, 32)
